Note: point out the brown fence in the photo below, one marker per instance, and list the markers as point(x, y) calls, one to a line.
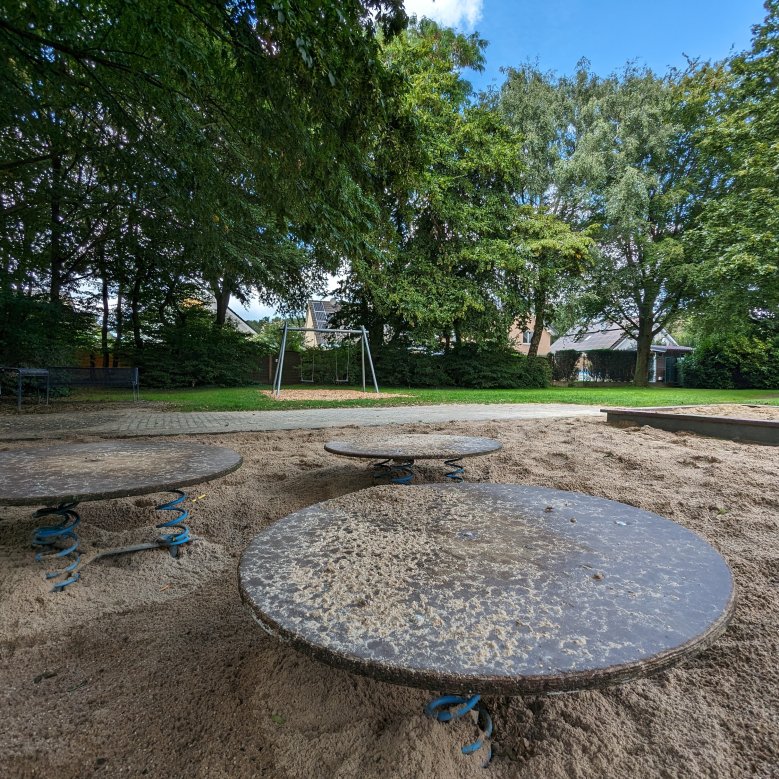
point(266, 369)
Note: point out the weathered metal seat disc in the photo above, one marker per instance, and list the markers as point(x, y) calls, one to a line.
point(414, 446)
point(494, 588)
point(112, 469)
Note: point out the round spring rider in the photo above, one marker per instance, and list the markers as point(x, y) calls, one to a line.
point(59, 542)
point(452, 707)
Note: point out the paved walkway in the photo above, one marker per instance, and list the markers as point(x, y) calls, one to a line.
point(128, 423)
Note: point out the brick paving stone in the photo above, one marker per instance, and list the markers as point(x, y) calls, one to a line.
point(129, 423)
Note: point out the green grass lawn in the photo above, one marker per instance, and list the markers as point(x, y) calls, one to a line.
point(250, 398)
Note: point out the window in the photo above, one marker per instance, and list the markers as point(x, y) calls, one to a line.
point(527, 336)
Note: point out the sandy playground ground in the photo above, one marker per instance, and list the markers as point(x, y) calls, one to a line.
point(151, 666)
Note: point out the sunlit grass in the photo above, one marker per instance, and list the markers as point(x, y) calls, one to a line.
point(252, 399)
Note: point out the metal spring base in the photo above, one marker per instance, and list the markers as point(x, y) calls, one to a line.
point(451, 707)
point(59, 542)
point(398, 471)
point(170, 541)
point(458, 470)
point(180, 534)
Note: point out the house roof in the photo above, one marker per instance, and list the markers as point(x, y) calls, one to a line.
point(610, 336)
point(595, 337)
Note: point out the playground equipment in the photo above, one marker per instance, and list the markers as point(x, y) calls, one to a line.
point(308, 367)
point(365, 352)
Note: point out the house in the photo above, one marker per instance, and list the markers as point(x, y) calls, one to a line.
point(319, 314)
point(520, 338)
point(601, 335)
point(238, 322)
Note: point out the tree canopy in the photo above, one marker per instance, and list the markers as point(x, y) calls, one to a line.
point(150, 146)
point(155, 153)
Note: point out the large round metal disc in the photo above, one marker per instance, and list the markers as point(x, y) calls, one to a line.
point(490, 588)
point(414, 446)
point(114, 469)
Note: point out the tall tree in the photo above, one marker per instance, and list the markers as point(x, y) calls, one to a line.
point(736, 236)
point(549, 261)
point(552, 224)
point(646, 187)
point(437, 271)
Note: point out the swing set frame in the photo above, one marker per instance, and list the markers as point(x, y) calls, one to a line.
point(365, 350)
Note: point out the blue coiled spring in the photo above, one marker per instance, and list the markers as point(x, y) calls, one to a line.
point(457, 473)
point(451, 707)
point(59, 542)
point(399, 472)
point(180, 534)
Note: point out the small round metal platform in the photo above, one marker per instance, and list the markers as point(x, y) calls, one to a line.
point(414, 446)
point(495, 588)
point(73, 473)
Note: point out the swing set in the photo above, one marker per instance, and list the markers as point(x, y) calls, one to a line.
point(365, 350)
point(337, 379)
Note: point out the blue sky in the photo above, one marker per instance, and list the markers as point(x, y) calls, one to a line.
point(557, 33)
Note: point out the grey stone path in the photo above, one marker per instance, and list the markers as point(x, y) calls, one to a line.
point(130, 423)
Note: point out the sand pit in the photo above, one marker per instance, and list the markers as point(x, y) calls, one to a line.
point(153, 667)
point(331, 394)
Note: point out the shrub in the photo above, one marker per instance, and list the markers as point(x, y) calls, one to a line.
point(35, 333)
point(740, 362)
point(564, 364)
point(466, 366)
point(194, 352)
point(397, 366)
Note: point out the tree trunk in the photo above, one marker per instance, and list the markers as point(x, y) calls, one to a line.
point(119, 326)
point(135, 310)
point(376, 336)
point(104, 329)
point(458, 335)
point(56, 261)
point(222, 301)
point(539, 306)
point(643, 351)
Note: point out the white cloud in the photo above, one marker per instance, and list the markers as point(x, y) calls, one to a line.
point(452, 13)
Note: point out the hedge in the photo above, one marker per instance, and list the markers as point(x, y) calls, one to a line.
point(612, 365)
point(740, 362)
point(194, 352)
point(564, 364)
point(466, 367)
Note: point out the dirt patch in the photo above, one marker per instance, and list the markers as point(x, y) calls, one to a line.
point(152, 665)
point(330, 394)
point(735, 410)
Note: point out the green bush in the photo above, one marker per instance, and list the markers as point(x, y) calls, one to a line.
point(467, 367)
point(397, 366)
point(564, 364)
point(612, 365)
point(473, 368)
point(740, 362)
point(194, 352)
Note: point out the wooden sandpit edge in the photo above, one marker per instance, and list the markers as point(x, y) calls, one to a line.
point(761, 431)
